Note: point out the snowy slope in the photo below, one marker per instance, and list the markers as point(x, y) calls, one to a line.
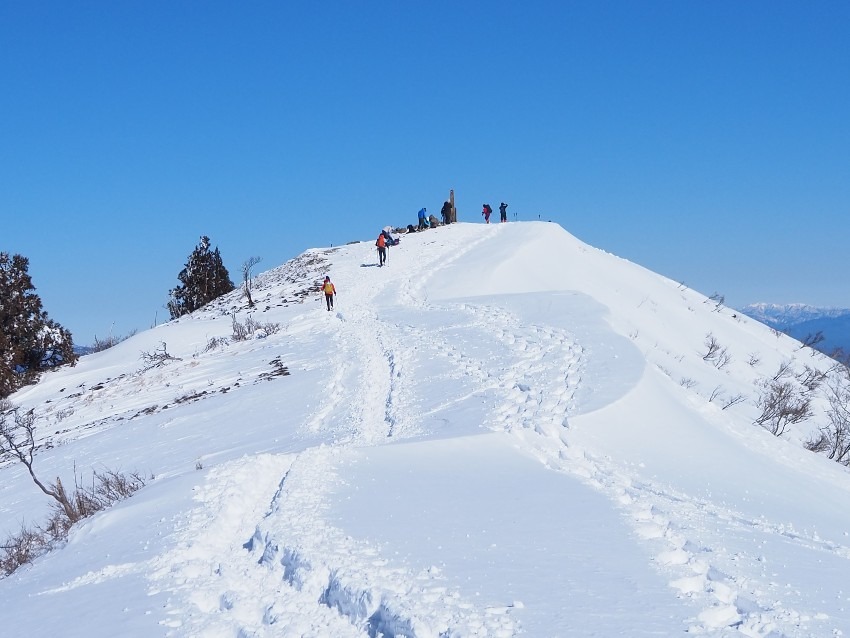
point(503, 432)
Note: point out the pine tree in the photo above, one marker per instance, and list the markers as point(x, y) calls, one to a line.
point(30, 342)
point(203, 279)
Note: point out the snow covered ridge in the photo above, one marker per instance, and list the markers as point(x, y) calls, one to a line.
point(503, 432)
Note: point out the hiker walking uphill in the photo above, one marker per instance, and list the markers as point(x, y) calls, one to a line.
point(330, 291)
point(487, 211)
point(503, 212)
point(421, 215)
point(381, 243)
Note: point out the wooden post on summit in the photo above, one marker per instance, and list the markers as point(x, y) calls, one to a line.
point(452, 202)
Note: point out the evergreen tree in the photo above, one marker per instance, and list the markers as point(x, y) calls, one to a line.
point(203, 279)
point(30, 342)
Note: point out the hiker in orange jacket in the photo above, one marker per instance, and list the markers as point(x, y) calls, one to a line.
point(330, 291)
point(381, 243)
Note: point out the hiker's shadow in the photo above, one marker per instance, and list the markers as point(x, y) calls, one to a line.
point(369, 265)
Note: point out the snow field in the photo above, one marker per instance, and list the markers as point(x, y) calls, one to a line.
point(488, 437)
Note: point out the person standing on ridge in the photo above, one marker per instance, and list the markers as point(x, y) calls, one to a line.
point(330, 291)
point(381, 243)
point(422, 214)
point(503, 212)
point(487, 211)
point(446, 213)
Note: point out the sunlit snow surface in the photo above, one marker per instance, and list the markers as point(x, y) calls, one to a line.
point(503, 432)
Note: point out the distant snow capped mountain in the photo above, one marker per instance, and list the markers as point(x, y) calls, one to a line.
point(802, 322)
point(785, 315)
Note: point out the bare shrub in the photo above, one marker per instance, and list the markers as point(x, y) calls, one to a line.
point(811, 340)
point(716, 354)
point(712, 346)
point(833, 439)
point(100, 345)
point(157, 357)
point(17, 442)
point(811, 378)
point(754, 359)
point(251, 328)
point(216, 342)
point(718, 300)
point(22, 548)
point(271, 328)
point(786, 369)
point(733, 400)
point(839, 355)
point(718, 395)
point(687, 382)
point(29, 543)
point(782, 404)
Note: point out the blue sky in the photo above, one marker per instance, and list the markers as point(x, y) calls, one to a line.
point(708, 141)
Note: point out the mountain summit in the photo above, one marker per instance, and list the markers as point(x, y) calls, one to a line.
point(502, 432)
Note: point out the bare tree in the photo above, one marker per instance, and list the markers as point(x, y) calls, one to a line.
point(17, 441)
point(247, 266)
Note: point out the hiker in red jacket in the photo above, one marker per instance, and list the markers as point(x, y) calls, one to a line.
point(487, 211)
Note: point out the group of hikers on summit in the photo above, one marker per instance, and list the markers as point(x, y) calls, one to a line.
point(386, 239)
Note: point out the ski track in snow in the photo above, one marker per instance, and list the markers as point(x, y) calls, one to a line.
point(292, 574)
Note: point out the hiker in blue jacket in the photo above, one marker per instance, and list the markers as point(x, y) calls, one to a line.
point(422, 215)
